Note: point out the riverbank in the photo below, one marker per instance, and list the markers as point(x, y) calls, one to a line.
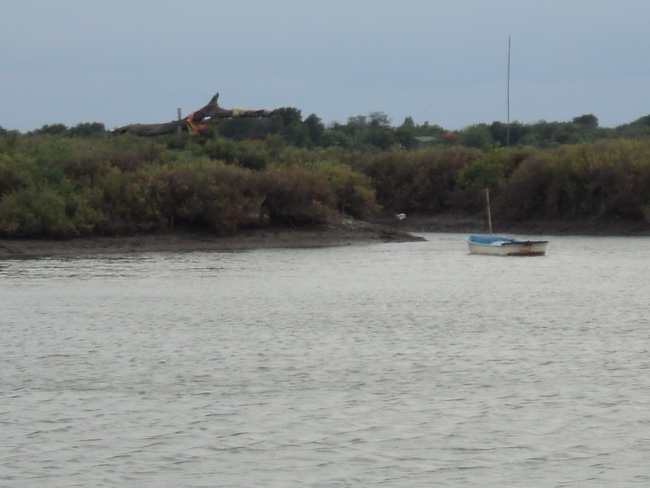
point(344, 232)
point(477, 224)
point(341, 233)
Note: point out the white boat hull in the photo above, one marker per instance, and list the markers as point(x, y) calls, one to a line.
point(494, 246)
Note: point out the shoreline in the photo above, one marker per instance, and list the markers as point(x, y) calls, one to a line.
point(345, 232)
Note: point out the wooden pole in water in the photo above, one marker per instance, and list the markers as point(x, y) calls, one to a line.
point(489, 212)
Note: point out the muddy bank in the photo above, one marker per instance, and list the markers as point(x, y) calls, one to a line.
point(477, 224)
point(346, 232)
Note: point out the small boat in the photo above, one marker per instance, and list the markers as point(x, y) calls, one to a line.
point(504, 246)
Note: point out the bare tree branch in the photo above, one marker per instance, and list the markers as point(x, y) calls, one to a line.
point(193, 122)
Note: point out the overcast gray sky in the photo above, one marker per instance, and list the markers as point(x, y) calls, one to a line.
point(441, 61)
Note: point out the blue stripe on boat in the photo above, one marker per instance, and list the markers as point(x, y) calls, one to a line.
point(491, 240)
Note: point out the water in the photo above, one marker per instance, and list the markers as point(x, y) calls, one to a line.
point(389, 365)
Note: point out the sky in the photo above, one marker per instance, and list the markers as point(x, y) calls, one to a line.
point(444, 62)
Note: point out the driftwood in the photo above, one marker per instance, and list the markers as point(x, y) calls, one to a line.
point(194, 122)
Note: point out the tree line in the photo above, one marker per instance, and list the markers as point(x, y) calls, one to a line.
point(62, 182)
point(375, 131)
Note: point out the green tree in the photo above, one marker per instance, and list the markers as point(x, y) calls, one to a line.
point(477, 136)
point(87, 129)
point(52, 130)
point(336, 138)
point(315, 129)
point(379, 136)
point(353, 190)
point(406, 133)
point(588, 120)
point(487, 171)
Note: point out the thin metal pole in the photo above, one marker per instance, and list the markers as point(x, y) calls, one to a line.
point(508, 98)
point(178, 116)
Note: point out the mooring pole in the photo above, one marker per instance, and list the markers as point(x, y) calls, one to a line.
point(489, 212)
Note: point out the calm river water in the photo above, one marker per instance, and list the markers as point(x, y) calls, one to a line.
point(387, 365)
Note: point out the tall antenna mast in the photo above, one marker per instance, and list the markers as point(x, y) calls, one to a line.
point(508, 98)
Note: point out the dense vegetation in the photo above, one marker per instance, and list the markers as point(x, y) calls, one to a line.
point(64, 182)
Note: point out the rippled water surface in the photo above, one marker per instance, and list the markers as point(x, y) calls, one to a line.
point(390, 365)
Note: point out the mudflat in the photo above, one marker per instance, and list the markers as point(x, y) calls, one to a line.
point(343, 232)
